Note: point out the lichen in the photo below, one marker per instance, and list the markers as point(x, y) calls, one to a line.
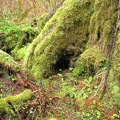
point(65, 34)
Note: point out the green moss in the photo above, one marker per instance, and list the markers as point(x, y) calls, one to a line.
point(17, 36)
point(20, 53)
point(115, 74)
point(102, 24)
point(42, 21)
point(116, 56)
point(90, 60)
point(7, 61)
point(7, 103)
point(65, 34)
point(79, 69)
point(115, 94)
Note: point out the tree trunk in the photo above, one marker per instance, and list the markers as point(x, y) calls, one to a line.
point(65, 35)
point(62, 39)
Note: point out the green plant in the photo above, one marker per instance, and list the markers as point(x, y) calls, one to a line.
point(71, 68)
point(61, 76)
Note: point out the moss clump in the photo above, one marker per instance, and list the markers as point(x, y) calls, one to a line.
point(8, 103)
point(90, 61)
point(65, 34)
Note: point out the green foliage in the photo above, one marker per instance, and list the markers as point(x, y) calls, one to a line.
point(16, 37)
point(79, 69)
point(116, 116)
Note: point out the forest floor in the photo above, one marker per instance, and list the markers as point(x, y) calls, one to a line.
point(63, 97)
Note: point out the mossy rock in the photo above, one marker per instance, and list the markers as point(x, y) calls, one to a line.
point(62, 37)
point(90, 61)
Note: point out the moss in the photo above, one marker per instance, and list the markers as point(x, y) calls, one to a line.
point(116, 57)
point(65, 34)
point(102, 24)
point(7, 61)
point(42, 21)
point(7, 103)
point(90, 60)
point(2, 37)
point(79, 69)
point(115, 94)
point(115, 74)
point(17, 37)
point(20, 53)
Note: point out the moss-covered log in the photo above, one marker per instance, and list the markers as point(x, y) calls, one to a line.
point(11, 104)
point(64, 36)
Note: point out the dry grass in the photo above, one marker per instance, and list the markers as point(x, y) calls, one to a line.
point(17, 7)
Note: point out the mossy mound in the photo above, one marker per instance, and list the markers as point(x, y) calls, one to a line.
point(90, 61)
point(62, 37)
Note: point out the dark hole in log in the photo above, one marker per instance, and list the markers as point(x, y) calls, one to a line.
point(62, 63)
